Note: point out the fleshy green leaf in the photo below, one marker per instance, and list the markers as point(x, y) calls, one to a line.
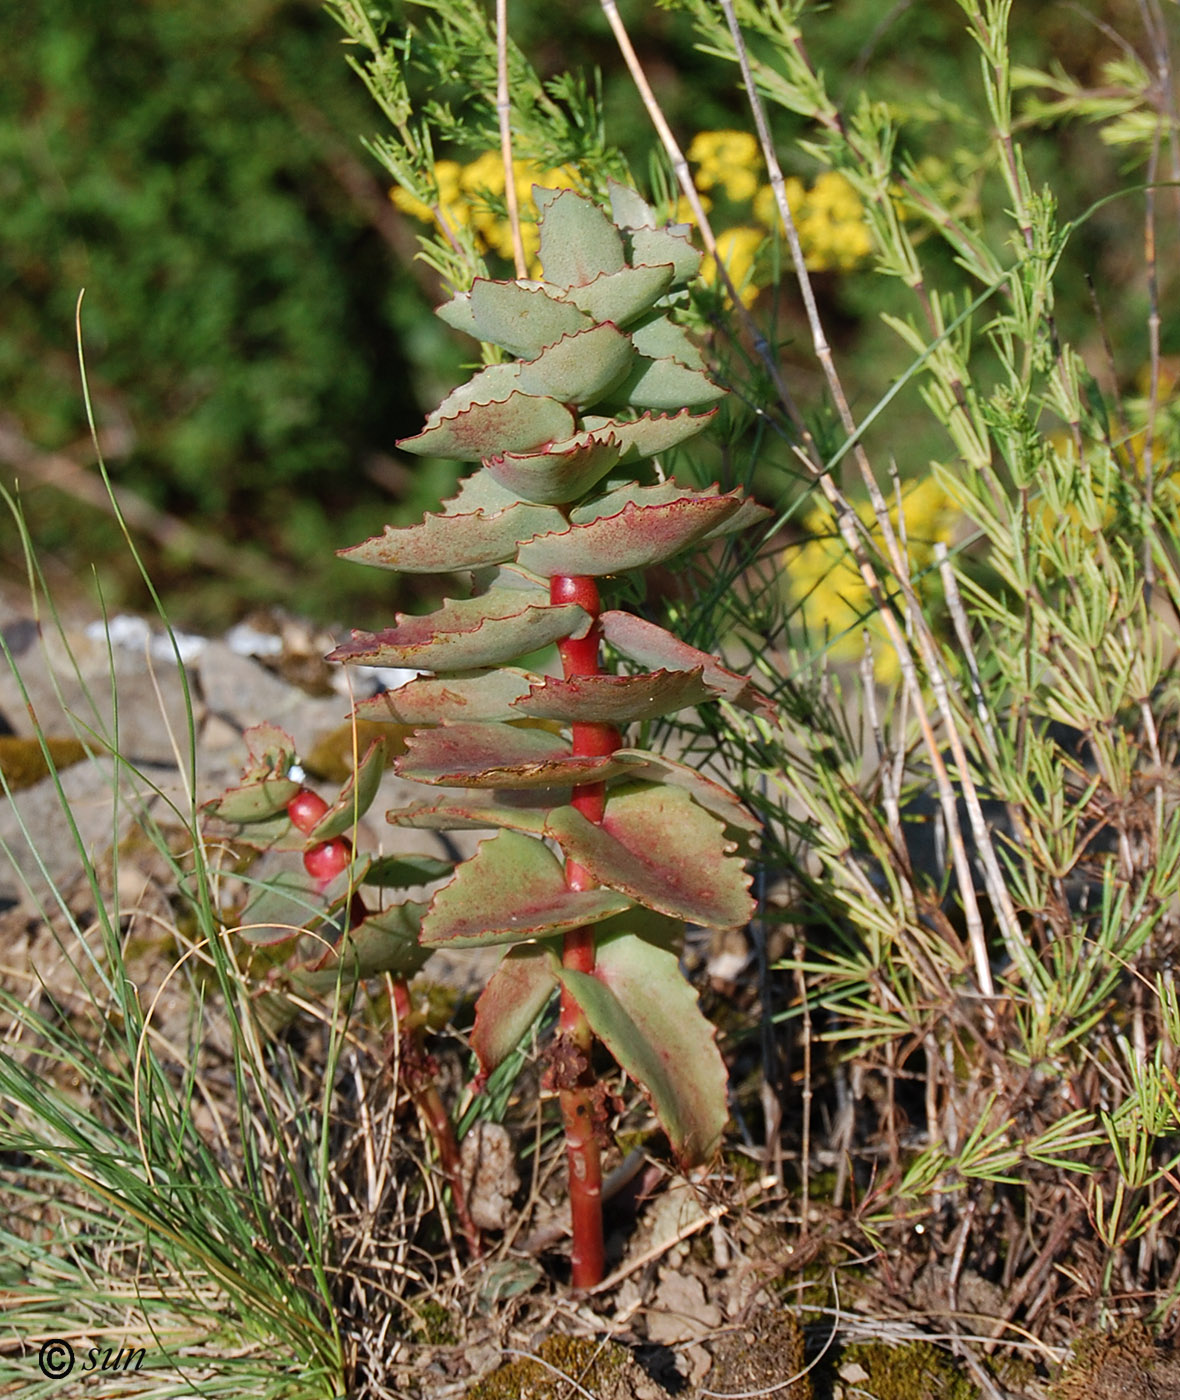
point(253, 802)
point(487, 695)
point(515, 995)
point(628, 208)
point(562, 472)
point(384, 942)
point(578, 241)
point(647, 1016)
point(638, 536)
point(265, 789)
point(616, 700)
point(512, 889)
point(356, 796)
point(457, 313)
point(747, 514)
point(662, 245)
point(631, 492)
point(721, 801)
point(622, 296)
point(666, 383)
point(497, 756)
point(405, 871)
point(521, 423)
point(464, 635)
point(525, 810)
point(650, 645)
point(448, 543)
point(523, 320)
point(656, 845)
point(660, 339)
point(581, 368)
point(279, 910)
point(648, 435)
point(480, 491)
point(492, 384)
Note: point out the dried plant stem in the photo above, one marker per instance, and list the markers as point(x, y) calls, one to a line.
point(684, 179)
point(416, 1073)
point(504, 113)
point(579, 1107)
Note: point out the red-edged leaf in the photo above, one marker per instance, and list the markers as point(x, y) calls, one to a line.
point(480, 491)
point(253, 802)
point(562, 472)
point(581, 368)
point(467, 634)
point(384, 942)
point(514, 997)
point(281, 909)
point(447, 543)
point(655, 768)
point(647, 1016)
point(636, 537)
point(659, 339)
point(614, 700)
point(650, 434)
point(650, 645)
point(512, 889)
point(656, 845)
point(477, 811)
point(458, 314)
point(748, 514)
point(667, 383)
point(577, 240)
point(521, 423)
point(487, 695)
point(265, 789)
point(406, 871)
point(492, 384)
point(628, 208)
point(497, 756)
point(356, 796)
point(521, 319)
point(622, 296)
point(662, 493)
point(651, 246)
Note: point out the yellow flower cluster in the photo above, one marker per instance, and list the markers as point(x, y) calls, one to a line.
point(827, 584)
point(726, 160)
point(829, 215)
point(471, 196)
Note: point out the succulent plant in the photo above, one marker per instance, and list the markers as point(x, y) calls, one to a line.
point(600, 852)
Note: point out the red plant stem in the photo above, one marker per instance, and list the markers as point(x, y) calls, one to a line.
point(580, 657)
point(324, 861)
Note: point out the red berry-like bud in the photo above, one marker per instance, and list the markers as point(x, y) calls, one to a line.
point(305, 809)
point(327, 859)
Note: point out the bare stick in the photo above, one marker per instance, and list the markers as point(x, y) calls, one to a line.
point(504, 113)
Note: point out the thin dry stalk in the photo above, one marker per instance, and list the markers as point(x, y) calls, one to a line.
point(504, 113)
point(806, 1096)
point(684, 179)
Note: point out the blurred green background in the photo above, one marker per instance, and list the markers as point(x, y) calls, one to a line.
point(256, 330)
